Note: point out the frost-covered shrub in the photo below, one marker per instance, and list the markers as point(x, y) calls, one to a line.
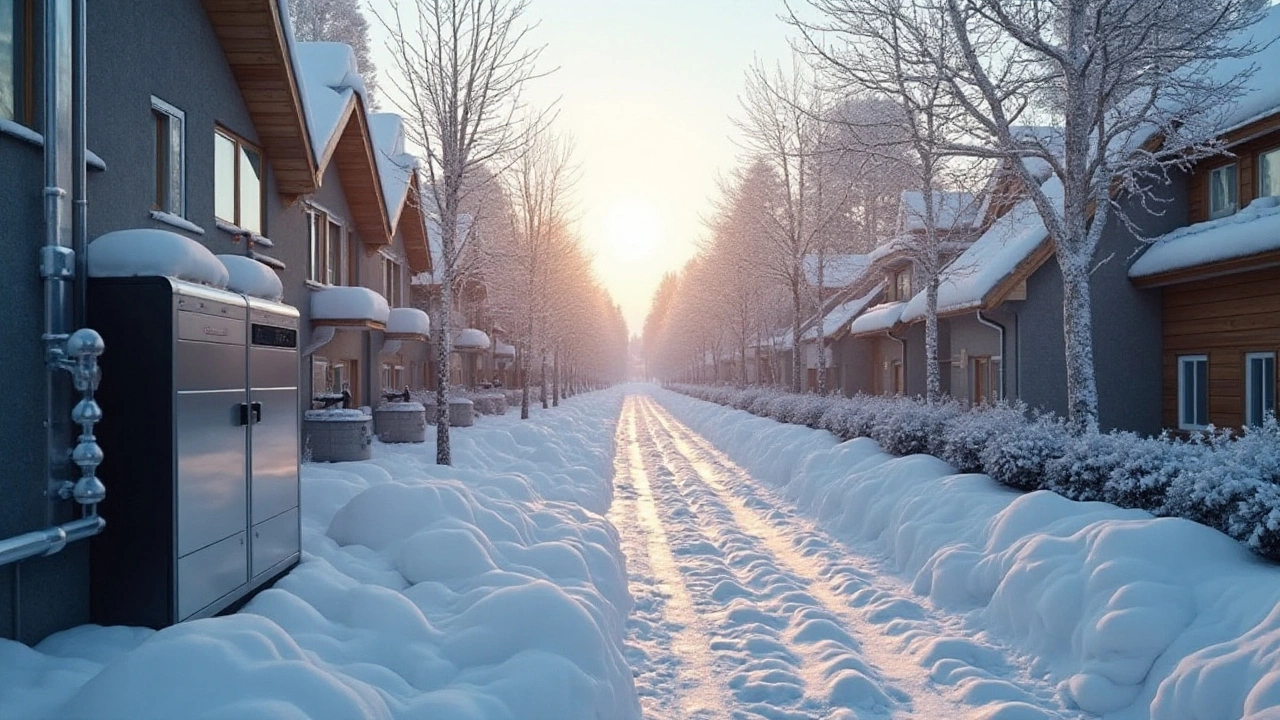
point(1149, 469)
point(967, 434)
point(912, 426)
point(1087, 464)
point(1245, 497)
point(810, 409)
point(1019, 458)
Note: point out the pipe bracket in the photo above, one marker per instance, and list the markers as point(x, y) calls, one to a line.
point(57, 262)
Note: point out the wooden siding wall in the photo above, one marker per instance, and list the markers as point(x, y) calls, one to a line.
point(1223, 318)
point(1265, 136)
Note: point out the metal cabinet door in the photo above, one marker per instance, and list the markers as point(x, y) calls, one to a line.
point(212, 491)
point(275, 541)
point(211, 574)
point(274, 453)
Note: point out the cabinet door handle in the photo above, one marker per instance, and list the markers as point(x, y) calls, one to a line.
point(256, 409)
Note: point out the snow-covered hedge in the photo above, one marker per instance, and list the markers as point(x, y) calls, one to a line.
point(1228, 481)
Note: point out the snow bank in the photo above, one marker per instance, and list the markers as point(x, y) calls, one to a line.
point(490, 590)
point(152, 252)
point(1133, 616)
point(349, 303)
point(1253, 230)
point(250, 277)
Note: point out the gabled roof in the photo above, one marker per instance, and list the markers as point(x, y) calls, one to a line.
point(256, 38)
point(335, 109)
point(879, 319)
point(979, 277)
point(838, 270)
point(836, 322)
point(951, 211)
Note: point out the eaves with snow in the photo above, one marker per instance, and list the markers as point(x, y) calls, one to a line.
point(1251, 236)
point(408, 324)
point(951, 211)
point(349, 307)
point(879, 319)
point(835, 321)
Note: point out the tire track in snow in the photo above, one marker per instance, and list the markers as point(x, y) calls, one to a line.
point(909, 646)
point(670, 653)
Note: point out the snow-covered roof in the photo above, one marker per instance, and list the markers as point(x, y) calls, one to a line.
point(408, 321)
point(951, 210)
point(471, 339)
point(250, 277)
point(154, 252)
point(504, 350)
point(838, 270)
point(348, 304)
point(395, 166)
point(329, 78)
point(434, 241)
point(843, 313)
point(1253, 230)
point(1260, 94)
point(1011, 239)
point(880, 318)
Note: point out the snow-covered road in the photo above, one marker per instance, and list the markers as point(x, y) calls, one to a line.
point(744, 609)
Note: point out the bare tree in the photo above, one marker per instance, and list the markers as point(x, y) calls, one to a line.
point(1130, 83)
point(461, 66)
point(337, 21)
point(783, 126)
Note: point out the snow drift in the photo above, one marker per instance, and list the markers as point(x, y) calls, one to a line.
point(491, 590)
point(1133, 616)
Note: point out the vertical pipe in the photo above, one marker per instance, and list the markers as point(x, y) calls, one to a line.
point(57, 266)
point(79, 151)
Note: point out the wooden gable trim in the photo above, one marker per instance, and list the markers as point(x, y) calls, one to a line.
point(1021, 272)
point(251, 33)
point(1257, 261)
point(413, 231)
point(357, 166)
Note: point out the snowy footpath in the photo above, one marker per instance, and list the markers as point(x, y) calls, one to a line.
point(493, 590)
point(827, 579)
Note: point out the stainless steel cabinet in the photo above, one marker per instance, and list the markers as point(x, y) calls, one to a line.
point(200, 400)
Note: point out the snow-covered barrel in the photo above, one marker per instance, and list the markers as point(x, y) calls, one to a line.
point(490, 403)
point(400, 422)
point(337, 435)
point(461, 412)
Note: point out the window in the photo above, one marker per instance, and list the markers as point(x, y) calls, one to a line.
point(1259, 386)
point(391, 282)
point(984, 385)
point(1193, 392)
point(170, 153)
point(1269, 173)
point(16, 60)
point(392, 377)
point(902, 284)
point(328, 258)
point(898, 377)
point(237, 182)
point(1222, 191)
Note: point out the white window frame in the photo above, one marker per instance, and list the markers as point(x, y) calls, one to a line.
point(1268, 398)
point(1231, 208)
point(1183, 361)
point(317, 216)
point(1273, 151)
point(393, 281)
point(164, 108)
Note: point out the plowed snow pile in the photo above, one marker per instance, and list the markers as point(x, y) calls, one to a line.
point(493, 590)
point(1132, 616)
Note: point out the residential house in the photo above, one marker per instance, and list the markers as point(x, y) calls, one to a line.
point(1217, 280)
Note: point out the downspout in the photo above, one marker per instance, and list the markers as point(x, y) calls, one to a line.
point(999, 329)
point(902, 350)
point(62, 269)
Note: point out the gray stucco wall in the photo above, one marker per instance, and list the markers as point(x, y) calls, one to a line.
point(136, 50)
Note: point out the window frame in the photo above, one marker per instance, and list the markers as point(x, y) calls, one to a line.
point(320, 264)
point(22, 64)
point(240, 144)
point(1276, 190)
point(902, 284)
point(1267, 398)
point(392, 281)
point(1183, 361)
point(1234, 205)
point(160, 108)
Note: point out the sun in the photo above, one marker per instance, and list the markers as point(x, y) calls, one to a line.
point(631, 229)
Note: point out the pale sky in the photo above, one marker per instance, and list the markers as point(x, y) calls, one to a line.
point(647, 89)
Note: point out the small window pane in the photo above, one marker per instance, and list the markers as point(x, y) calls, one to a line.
point(162, 160)
point(1260, 387)
point(335, 264)
point(250, 190)
point(315, 240)
point(177, 201)
point(8, 60)
point(1202, 392)
point(1222, 191)
point(1269, 173)
point(224, 178)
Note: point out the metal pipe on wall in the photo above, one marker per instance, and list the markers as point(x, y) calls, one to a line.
point(999, 329)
